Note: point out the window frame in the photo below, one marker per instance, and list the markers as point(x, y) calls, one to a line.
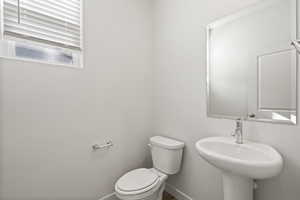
point(78, 55)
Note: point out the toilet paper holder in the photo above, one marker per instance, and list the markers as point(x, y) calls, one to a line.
point(107, 145)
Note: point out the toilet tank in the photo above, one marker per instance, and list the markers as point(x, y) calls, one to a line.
point(166, 154)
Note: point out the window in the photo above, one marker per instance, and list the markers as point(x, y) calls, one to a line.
point(47, 31)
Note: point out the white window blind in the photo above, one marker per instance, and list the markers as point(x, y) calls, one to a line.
point(53, 22)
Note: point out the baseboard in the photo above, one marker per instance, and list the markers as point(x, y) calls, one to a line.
point(111, 196)
point(179, 195)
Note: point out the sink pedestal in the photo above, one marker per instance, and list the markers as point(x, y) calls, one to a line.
point(237, 187)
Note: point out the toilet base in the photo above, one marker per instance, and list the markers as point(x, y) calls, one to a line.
point(161, 191)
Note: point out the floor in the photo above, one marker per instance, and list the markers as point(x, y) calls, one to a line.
point(168, 196)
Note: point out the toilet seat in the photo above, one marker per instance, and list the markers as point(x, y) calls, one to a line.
point(154, 182)
point(137, 181)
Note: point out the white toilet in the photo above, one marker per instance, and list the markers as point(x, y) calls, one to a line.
point(149, 184)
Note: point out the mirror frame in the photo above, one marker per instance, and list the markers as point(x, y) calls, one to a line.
point(244, 12)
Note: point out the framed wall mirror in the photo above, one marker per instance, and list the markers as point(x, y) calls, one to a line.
point(252, 63)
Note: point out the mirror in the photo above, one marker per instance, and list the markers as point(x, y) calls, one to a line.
point(252, 64)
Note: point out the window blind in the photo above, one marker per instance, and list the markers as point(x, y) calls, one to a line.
point(54, 22)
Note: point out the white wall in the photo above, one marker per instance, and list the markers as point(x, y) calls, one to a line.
point(50, 116)
point(180, 101)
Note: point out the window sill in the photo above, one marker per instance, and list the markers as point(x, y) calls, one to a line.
point(31, 52)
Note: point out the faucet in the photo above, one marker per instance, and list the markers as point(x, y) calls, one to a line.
point(238, 132)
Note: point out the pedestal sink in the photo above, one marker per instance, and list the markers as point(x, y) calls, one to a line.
point(240, 164)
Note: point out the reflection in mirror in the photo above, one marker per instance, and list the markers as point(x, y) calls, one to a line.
point(252, 66)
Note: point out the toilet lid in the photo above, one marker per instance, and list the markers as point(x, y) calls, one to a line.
point(137, 180)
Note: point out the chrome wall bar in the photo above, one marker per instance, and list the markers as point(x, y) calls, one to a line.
point(107, 145)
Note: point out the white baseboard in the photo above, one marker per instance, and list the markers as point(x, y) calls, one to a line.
point(111, 196)
point(179, 195)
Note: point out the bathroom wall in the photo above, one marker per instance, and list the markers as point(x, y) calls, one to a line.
point(180, 101)
point(50, 116)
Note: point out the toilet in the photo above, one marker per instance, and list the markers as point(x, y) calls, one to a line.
point(149, 184)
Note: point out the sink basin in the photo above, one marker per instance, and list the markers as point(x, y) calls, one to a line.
point(240, 164)
point(254, 160)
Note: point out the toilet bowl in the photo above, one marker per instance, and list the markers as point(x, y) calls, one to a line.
point(146, 184)
point(149, 184)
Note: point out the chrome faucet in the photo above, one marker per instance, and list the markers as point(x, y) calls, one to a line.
point(238, 132)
